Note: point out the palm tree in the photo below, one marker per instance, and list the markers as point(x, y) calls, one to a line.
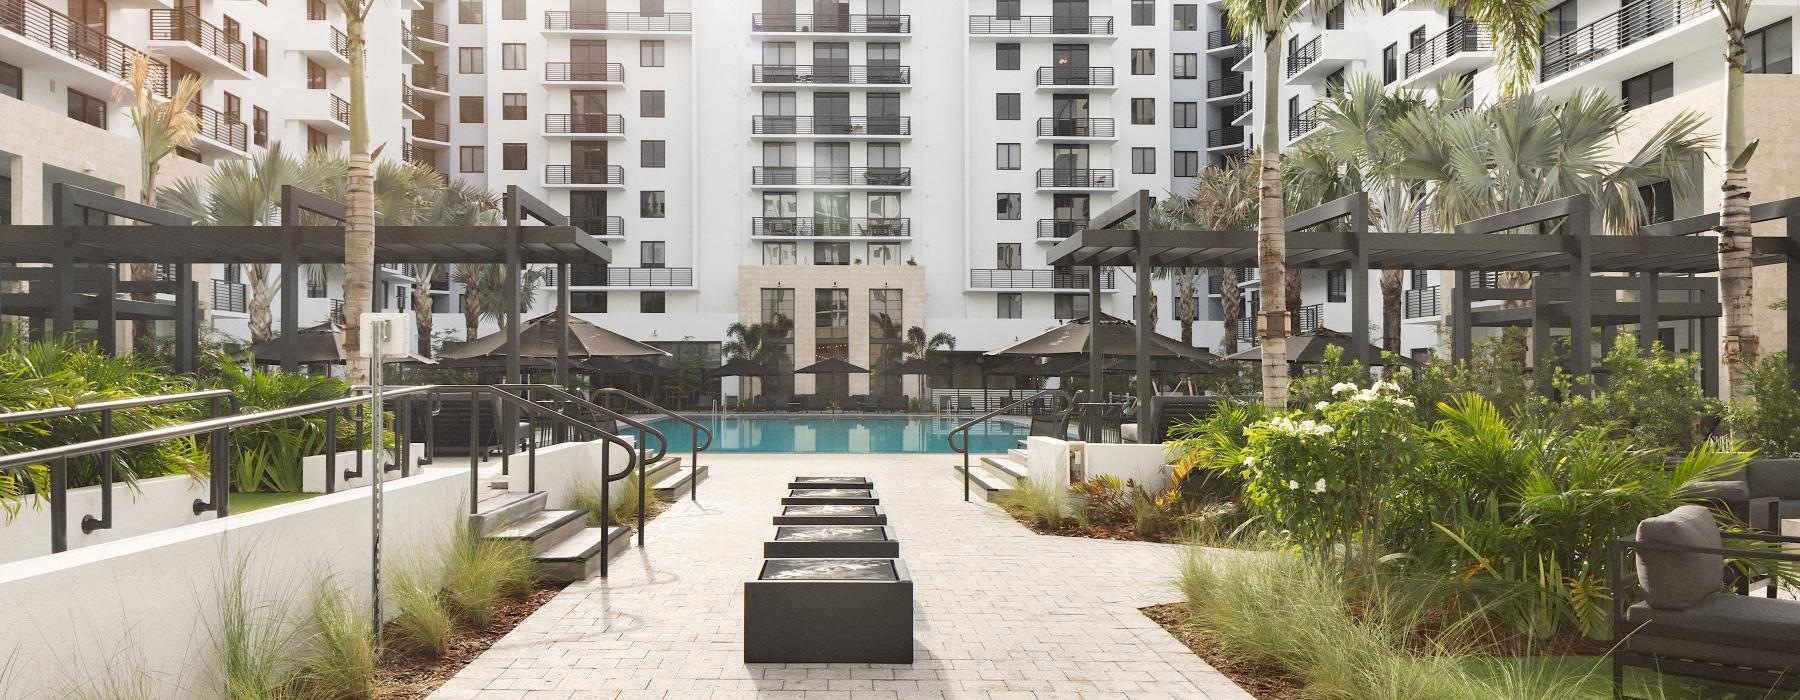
point(484, 294)
point(1517, 28)
point(242, 193)
point(751, 342)
point(359, 199)
point(919, 346)
point(1736, 291)
point(455, 203)
point(162, 127)
point(1223, 199)
point(1269, 19)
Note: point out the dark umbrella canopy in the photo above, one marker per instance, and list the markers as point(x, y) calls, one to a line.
point(740, 367)
point(1309, 348)
point(538, 338)
point(1167, 365)
point(1017, 368)
point(1116, 337)
point(318, 345)
point(832, 366)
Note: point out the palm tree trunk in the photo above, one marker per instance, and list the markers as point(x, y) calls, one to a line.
point(1390, 310)
point(143, 332)
point(1735, 283)
point(1231, 306)
point(471, 302)
point(359, 204)
point(1187, 308)
point(1271, 236)
point(421, 299)
point(262, 320)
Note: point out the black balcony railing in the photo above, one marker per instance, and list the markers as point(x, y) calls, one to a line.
point(1303, 123)
point(619, 21)
point(408, 97)
point(1465, 35)
point(1079, 178)
point(831, 74)
point(771, 175)
point(340, 111)
point(1225, 136)
point(1076, 278)
point(1628, 25)
point(815, 226)
point(1076, 127)
point(340, 43)
point(1231, 84)
point(220, 127)
point(1221, 38)
point(586, 276)
point(177, 25)
point(337, 311)
point(426, 78)
point(229, 296)
point(830, 126)
point(1075, 76)
point(600, 225)
point(584, 72)
point(1303, 56)
point(831, 24)
point(1246, 328)
point(571, 175)
point(1041, 24)
point(56, 32)
point(428, 30)
point(1060, 228)
point(584, 124)
point(1243, 104)
point(1308, 318)
point(431, 131)
point(440, 282)
point(1420, 302)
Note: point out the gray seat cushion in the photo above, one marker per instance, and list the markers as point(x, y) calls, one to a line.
point(1679, 580)
point(1778, 478)
point(1726, 629)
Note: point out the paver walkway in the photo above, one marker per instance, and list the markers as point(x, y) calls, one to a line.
point(1001, 612)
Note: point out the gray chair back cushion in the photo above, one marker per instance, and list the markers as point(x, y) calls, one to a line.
point(1679, 580)
point(1779, 478)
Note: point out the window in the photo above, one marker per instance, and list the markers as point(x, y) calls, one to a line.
point(1143, 61)
point(1143, 13)
point(650, 103)
point(259, 55)
point(316, 140)
point(1006, 106)
point(1143, 110)
point(1007, 156)
point(887, 254)
point(12, 81)
point(468, 60)
point(1006, 9)
point(781, 254)
point(1334, 17)
point(651, 204)
point(654, 154)
point(1009, 305)
point(1659, 202)
point(1337, 286)
point(315, 9)
point(1007, 206)
point(469, 11)
point(469, 109)
point(234, 107)
point(83, 108)
point(650, 53)
point(834, 253)
point(1654, 86)
point(259, 126)
point(1143, 161)
point(653, 302)
point(1069, 306)
point(1187, 115)
point(1390, 64)
point(1187, 66)
point(1006, 57)
point(1009, 256)
point(1415, 38)
point(653, 253)
point(513, 156)
point(512, 57)
point(1187, 18)
point(512, 106)
point(512, 9)
point(1559, 22)
point(315, 76)
point(587, 302)
point(473, 159)
point(1770, 49)
point(1389, 5)
point(1187, 164)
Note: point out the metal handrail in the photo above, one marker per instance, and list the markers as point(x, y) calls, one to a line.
point(693, 491)
point(950, 438)
point(561, 394)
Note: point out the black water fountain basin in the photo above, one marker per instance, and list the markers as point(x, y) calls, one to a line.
point(839, 541)
point(829, 611)
point(831, 514)
point(846, 497)
point(831, 482)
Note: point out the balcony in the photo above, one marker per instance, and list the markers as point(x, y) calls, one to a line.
point(410, 49)
point(1246, 328)
point(1464, 47)
point(830, 75)
point(1309, 318)
point(1222, 45)
point(1609, 40)
point(621, 23)
point(231, 297)
point(1052, 230)
point(1070, 280)
point(222, 134)
point(601, 226)
point(322, 110)
point(764, 125)
point(404, 270)
point(639, 277)
point(185, 37)
point(1074, 78)
point(1420, 302)
point(1304, 123)
point(323, 43)
point(409, 102)
point(35, 37)
point(608, 177)
point(606, 75)
point(769, 176)
point(1231, 85)
point(1331, 50)
point(1304, 56)
point(1041, 26)
point(1075, 128)
point(1241, 107)
point(435, 132)
point(763, 23)
point(829, 228)
point(604, 126)
point(433, 83)
point(429, 32)
point(1083, 179)
point(1225, 138)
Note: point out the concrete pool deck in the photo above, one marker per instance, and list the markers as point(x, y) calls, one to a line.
point(1000, 612)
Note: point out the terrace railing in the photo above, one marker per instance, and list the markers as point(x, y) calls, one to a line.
point(830, 126)
point(1041, 24)
point(1073, 278)
point(968, 425)
point(1303, 56)
point(180, 25)
point(1075, 76)
point(831, 74)
point(1465, 35)
point(773, 175)
point(562, 20)
point(624, 277)
point(584, 124)
point(600, 225)
point(1420, 302)
point(229, 296)
point(1225, 136)
point(1060, 228)
point(430, 31)
point(426, 78)
point(221, 127)
point(1308, 318)
point(1304, 122)
point(1231, 84)
point(1076, 127)
point(809, 226)
point(433, 131)
point(57, 33)
point(1626, 26)
point(571, 175)
point(1079, 178)
point(831, 24)
point(564, 72)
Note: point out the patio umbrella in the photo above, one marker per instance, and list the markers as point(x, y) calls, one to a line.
point(318, 345)
point(1116, 338)
point(538, 338)
point(1309, 348)
point(739, 367)
point(832, 366)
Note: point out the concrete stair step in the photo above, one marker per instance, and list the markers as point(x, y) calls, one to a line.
point(543, 530)
point(982, 482)
point(578, 556)
point(503, 508)
point(1018, 454)
point(678, 482)
point(1005, 469)
point(656, 471)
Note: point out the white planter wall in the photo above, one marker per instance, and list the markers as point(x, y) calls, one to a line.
point(157, 504)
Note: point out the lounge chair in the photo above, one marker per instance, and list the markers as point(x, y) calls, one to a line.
point(811, 403)
point(944, 403)
point(855, 403)
point(895, 403)
point(1758, 481)
point(965, 404)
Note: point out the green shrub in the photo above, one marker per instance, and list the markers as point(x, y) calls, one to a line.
point(423, 625)
point(1207, 454)
point(1043, 505)
point(585, 494)
point(1770, 420)
point(256, 639)
point(1655, 400)
point(267, 456)
point(343, 654)
point(482, 572)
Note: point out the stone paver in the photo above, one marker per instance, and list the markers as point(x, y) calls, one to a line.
point(1001, 612)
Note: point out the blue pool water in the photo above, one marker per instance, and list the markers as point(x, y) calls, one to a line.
point(839, 433)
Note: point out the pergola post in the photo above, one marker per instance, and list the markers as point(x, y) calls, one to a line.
point(1359, 282)
point(1793, 287)
point(63, 212)
point(1146, 390)
point(562, 324)
point(187, 322)
point(290, 282)
point(1090, 427)
point(1462, 339)
point(1581, 296)
point(511, 286)
point(1649, 293)
point(1540, 338)
point(1709, 356)
point(106, 329)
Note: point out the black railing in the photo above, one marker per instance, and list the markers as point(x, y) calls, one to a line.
point(571, 175)
point(584, 124)
point(1225, 136)
point(1303, 123)
point(831, 74)
point(807, 227)
point(604, 397)
point(431, 131)
point(340, 43)
point(1075, 76)
point(1075, 278)
point(1221, 38)
point(831, 126)
point(423, 77)
point(1060, 228)
point(1086, 178)
point(1236, 54)
point(1626, 26)
point(1231, 84)
point(584, 72)
point(430, 31)
point(177, 25)
point(600, 225)
point(771, 175)
point(220, 127)
point(340, 110)
point(1308, 318)
point(831, 24)
point(964, 429)
point(567, 403)
point(1465, 35)
point(619, 21)
point(1041, 24)
point(1076, 127)
point(55, 31)
point(1303, 56)
point(229, 296)
point(1243, 104)
point(1420, 302)
point(408, 97)
point(625, 277)
point(1246, 328)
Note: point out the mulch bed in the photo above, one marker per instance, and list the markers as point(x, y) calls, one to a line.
point(1263, 682)
point(1099, 531)
point(413, 677)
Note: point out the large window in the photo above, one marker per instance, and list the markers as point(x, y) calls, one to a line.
point(653, 254)
point(781, 254)
point(1143, 161)
point(1648, 88)
point(650, 103)
point(1006, 57)
point(651, 53)
point(1337, 286)
point(1007, 206)
point(512, 9)
point(655, 154)
point(1067, 306)
point(1187, 66)
point(12, 81)
point(887, 315)
point(1187, 115)
point(1659, 202)
point(1009, 305)
point(1009, 256)
point(472, 159)
point(1187, 164)
point(315, 76)
point(1143, 13)
point(259, 54)
point(512, 106)
point(512, 57)
point(653, 302)
point(470, 109)
point(652, 204)
point(1187, 18)
point(831, 314)
point(1143, 110)
point(259, 126)
point(87, 109)
point(1007, 156)
point(587, 302)
point(1559, 21)
point(1770, 49)
point(831, 253)
point(469, 60)
point(514, 156)
point(1390, 64)
point(469, 11)
point(1143, 61)
point(1006, 106)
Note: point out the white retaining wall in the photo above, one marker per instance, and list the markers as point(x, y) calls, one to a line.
point(1047, 460)
point(157, 504)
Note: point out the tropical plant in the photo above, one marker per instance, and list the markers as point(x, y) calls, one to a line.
point(456, 203)
point(753, 342)
point(1223, 199)
point(359, 199)
point(162, 125)
point(484, 294)
point(918, 346)
point(423, 625)
point(1737, 289)
point(482, 572)
point(243, 193)
point(1039, 503)
point(1769, 418)
point(268, 456)
point(341, 665)
point(1654, 400)
point(1207, 454)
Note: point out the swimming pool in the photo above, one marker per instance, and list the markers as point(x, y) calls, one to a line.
point(848, 433)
